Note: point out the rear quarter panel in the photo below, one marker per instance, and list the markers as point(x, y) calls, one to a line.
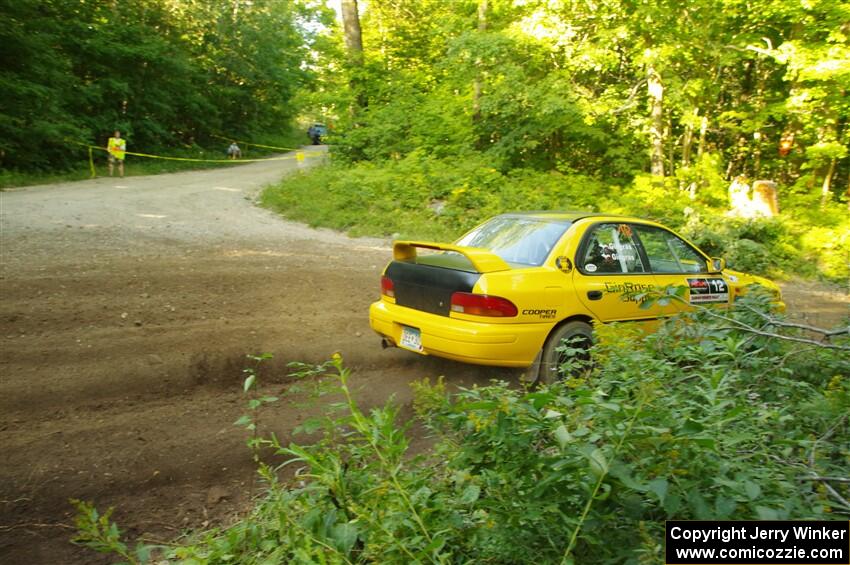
point(542, 294)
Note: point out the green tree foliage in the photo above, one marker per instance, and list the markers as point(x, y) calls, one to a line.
point(584, 103)
point(35, 80)
point(164, 72)
point(564, 86)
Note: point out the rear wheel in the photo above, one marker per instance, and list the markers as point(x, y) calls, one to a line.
point(577, 335)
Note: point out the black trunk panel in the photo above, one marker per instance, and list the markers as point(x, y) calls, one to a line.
point(426, 287)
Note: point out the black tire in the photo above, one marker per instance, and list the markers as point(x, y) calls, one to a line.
point(552, 359)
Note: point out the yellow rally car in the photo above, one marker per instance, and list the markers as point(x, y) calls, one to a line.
point(510, 291)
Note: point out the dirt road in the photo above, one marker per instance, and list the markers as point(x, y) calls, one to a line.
point(128, 308)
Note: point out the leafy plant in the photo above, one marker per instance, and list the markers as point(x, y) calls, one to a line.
point(251, 420)
point(101, 534)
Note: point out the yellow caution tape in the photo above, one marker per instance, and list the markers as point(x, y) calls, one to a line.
point(207, 160)
point(300, 155)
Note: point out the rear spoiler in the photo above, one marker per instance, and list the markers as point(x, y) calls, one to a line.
point(482, 260)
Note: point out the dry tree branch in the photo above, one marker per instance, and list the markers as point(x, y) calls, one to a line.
point(36, 525)
point(628, 103)
point(783, 324)
point(747, 328)
point(835, 495)
point(812, 455)
point(826, 479)
point(743, 326)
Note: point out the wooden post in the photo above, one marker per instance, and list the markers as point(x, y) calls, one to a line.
point(765, 199)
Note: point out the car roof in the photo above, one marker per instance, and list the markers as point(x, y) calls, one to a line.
point(568, 215)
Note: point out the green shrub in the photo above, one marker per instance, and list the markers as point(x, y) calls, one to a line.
point(829, 249)
point(776, 246)
point(420, 196)
point(751, 245)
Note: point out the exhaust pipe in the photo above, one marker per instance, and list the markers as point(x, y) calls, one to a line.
point(385, 343)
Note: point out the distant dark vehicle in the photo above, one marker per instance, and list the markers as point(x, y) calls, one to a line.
point(317, 132)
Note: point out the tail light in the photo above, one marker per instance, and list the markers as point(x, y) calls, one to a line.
point(482, 305)
point(387, 287)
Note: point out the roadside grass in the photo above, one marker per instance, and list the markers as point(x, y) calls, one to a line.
point(143, 166)
point(327, 197)
point(419, 196)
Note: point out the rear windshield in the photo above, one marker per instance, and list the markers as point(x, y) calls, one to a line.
point(522, 241)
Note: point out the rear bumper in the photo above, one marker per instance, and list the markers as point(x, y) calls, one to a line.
point(500, 345)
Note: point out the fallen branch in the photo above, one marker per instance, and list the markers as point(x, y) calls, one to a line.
point(826, 479)
point(836, 496)
point(748, 328)
point(824, 437)
point(806, 327)
point(743, 326)
point(16, 500)
point(812, 456)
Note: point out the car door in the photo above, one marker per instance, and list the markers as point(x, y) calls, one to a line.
point(611, 273)
point(673, 261)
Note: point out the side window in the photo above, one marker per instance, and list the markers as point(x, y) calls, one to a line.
point(668, 253)
point(610, 248)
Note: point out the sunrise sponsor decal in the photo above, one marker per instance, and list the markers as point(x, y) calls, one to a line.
point(629, 291)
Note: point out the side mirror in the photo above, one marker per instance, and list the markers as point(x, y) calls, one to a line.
point(716, 264)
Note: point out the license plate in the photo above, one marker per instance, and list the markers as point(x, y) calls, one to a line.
point(411, 338)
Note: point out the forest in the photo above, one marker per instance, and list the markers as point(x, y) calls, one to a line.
point(445, 113)
point(683, 90)
point(167, 73)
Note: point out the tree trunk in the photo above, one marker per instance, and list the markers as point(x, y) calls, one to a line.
point(476, 85)
point(848, 192)
point(757, 154)
point(656, 127)
point(739, 157)
point(703, 129)
point(826, 192)
point(354, 46)
point(671, 149)
point(353, 37)
point(688, 140)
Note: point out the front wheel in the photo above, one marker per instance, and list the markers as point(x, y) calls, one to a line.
point(577, 335)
